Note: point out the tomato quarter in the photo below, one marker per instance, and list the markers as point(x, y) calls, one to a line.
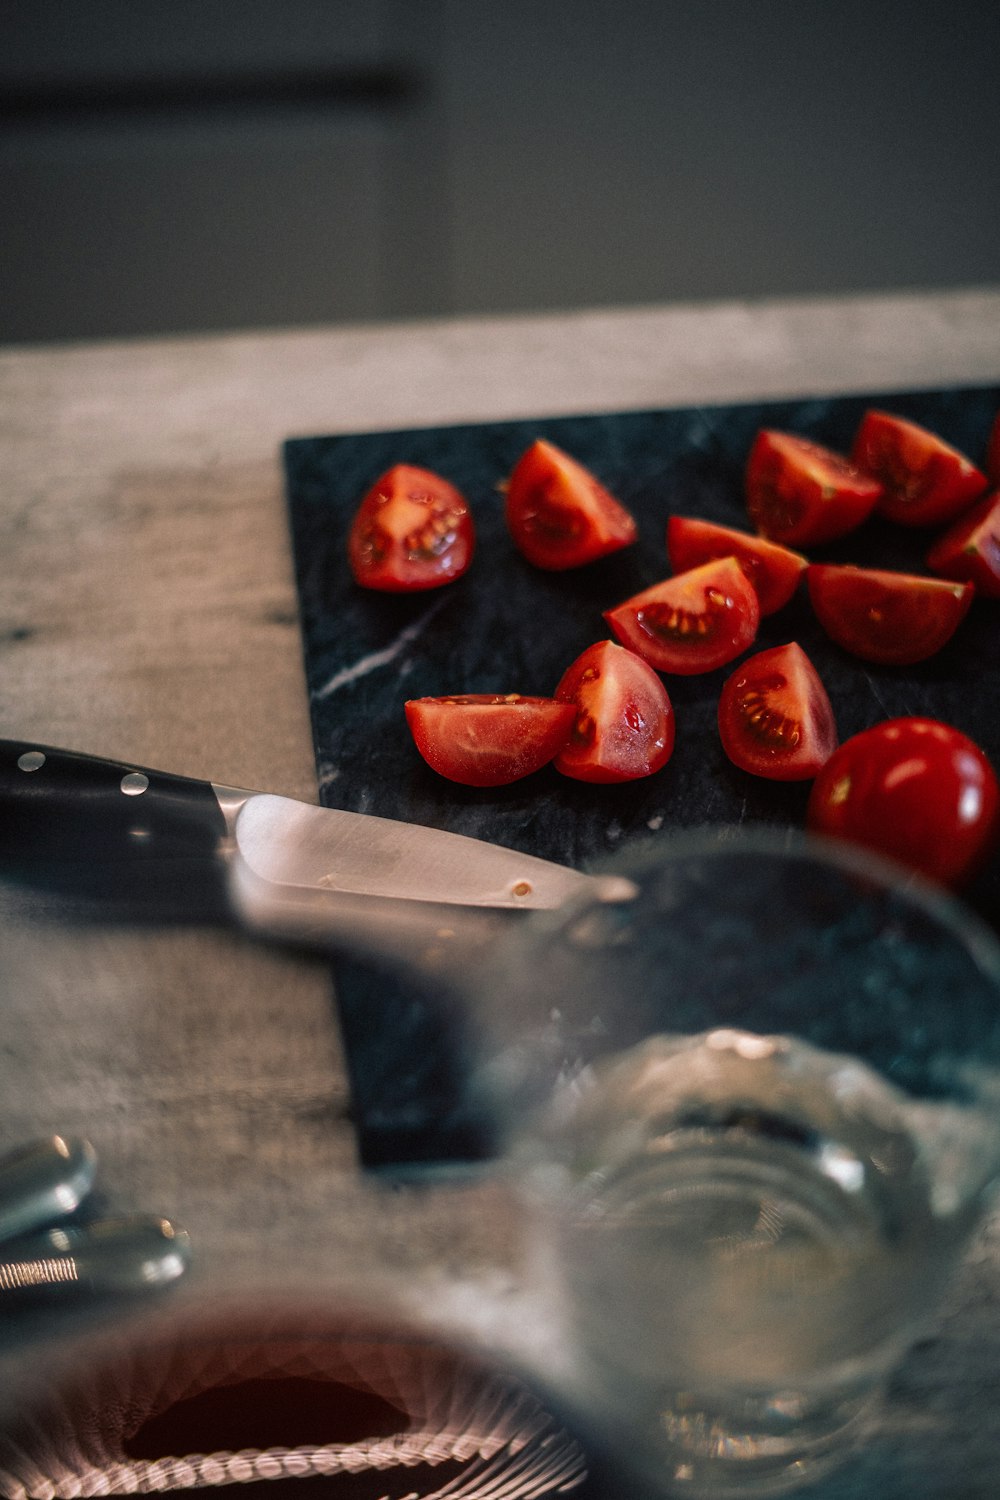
point(894, 619)
point(773, 570)
point(693, 622)
point(800, 493)
point(559, 515)
point(488, 739)
point(969, 551)
point(926, 481)
point(915, 790)
point(413, 530)
point(775, 719)
point(624, 724)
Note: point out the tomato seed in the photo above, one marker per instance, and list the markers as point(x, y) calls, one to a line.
point(769, 724)
point(585, 728)
point(675, 623)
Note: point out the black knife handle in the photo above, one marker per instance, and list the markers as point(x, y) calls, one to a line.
point(78, 822)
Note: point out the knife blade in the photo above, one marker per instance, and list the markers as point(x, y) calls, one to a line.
point(152, 843)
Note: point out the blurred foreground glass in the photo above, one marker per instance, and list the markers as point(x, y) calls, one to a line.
point(754, 1108)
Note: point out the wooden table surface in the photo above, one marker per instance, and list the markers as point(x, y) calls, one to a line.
point(147, 611)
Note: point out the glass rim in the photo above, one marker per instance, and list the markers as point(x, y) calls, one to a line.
point(944, 905)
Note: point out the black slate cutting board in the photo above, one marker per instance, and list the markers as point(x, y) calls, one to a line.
point(506, 627)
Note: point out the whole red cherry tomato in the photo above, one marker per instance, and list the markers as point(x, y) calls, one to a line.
point(488, 739)
point(693, 622)
point(916, 790)
point(970, 549)
point(413, 530)
point(891, 618)
point(624, 725)
point(926, 481)
point(773, 570)
point(559, 515)
point(800, 493)
point(775, 718)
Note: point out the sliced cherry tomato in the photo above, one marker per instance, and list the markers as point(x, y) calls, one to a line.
point(413, 530)
point(800, 493)
point(969, 551)
point(891, 618)
point(693, 622)
point(773, 570)
point(926, 481)
point(915, 790)
point(624, 725)
point(559, 514)
point(775, 718)
point(488, 739)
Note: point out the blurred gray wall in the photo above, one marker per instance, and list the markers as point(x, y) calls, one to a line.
point(209, 164)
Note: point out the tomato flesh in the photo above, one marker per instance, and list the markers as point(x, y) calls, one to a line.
point(413, 530)
point(894, 619)
point(693, 622)
point(623, 727)
point(773, 570)
point(559, 515)
point(915, 790)
point(926, 481)
point(800, 493)
point(775, 718)
point(488, 739)
point(969, 551)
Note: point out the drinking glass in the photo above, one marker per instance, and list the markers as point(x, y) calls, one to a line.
point(750, 1093)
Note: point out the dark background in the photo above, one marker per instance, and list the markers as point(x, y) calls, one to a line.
point(209, 164)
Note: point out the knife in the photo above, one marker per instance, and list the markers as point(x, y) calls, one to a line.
point(151, 844)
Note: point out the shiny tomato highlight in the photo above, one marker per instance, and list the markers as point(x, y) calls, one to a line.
point(773, 570)
point(559, 515)
point(926, 481)
point(413, 530)
point(693, 622)
point(775, 718)
point(800, 493)
point(488, 739)
point(915, 790)
point(624, 721)
point(894, 619)
point(969, 551)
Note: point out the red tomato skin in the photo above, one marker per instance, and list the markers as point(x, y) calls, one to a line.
point(926, 481)
point(894, 619)
point(969, 551)
point(413, 530)
point(624, 721)
point(775, 717)
point(488, 739)
point(800, 493)
point(690, 623)
point(773, 570)
point(915, 790)
point(559, 515)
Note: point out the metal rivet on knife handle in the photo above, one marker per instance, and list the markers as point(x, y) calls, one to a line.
point(136, 1253)
point(43, 1181)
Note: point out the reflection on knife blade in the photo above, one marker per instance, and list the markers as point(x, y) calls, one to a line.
point(167, 846)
